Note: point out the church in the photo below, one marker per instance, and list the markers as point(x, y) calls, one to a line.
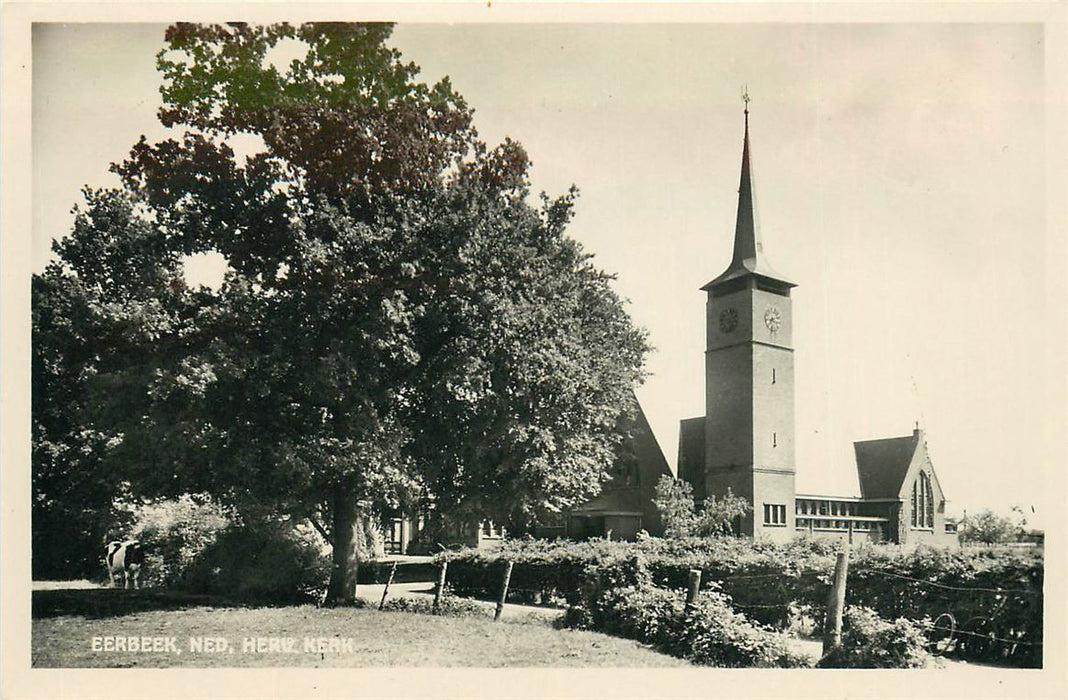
point(744, 444)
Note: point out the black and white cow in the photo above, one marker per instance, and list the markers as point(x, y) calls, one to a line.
point(125, 558)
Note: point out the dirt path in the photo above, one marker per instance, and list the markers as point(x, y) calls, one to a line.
point(81, 585)
point(372, 593)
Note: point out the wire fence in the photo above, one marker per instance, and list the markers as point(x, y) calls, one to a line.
point(954, 631)
point(975, 589)
point(991, 631)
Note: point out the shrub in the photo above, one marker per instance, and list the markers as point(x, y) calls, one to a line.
point(175, 532)
point(195, 544)
point(619, 598)
point(988, 527)
point(674, 501)
point(682, 518)
point(709, 632)
point(544, 572)
point(368, 538)
point(265, 562)
point(869, 641)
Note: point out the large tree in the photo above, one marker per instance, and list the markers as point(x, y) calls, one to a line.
point(398, 323)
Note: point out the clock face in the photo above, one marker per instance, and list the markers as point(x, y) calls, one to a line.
point(728, 320)
point(773, 319)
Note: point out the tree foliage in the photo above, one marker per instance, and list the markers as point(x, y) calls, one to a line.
point(398, 324)
point(674, 501)
point(682, 518)
point(987, 527)
point(74, 492)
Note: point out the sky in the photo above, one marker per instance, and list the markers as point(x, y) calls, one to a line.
point(901, 180)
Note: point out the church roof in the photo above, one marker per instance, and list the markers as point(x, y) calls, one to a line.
point(882, 465)
point(626, 500)
point(646, 449)
point(639, 466)
point(748, 250)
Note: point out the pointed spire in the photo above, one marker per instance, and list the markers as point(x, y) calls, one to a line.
point(748, 258)
point(746, 232)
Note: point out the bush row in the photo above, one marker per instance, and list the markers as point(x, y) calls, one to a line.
point(449, 606)
point(709, 632)
point(759, 577)
point(992, 599)
point(990, 595)
point(618, 597)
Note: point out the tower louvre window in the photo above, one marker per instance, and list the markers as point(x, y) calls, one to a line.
point(774, 439)
point(767, 286)
point(735, 285)
point(772, 375)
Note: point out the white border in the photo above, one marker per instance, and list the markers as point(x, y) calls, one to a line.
point(18, 680)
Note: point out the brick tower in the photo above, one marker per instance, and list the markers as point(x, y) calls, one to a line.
point(749, 378)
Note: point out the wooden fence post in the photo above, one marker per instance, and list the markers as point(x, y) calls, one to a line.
point(441, 585)
point(695, 586)
point(504, 591)
point(836, 603)
point(385, 591)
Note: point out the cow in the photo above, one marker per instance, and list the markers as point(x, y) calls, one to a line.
point(125, 558)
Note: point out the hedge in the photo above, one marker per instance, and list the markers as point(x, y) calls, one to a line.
point(618, 597)
point(761, 579)
point(994, 597)
point(708, 632)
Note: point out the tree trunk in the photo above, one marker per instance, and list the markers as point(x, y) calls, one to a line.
point(342, 588)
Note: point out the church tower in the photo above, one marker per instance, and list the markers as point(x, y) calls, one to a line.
point(749, 378)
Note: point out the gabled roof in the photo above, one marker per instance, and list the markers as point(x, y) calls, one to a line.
point(882, 465)
point(639, 466)
point(614, 501)
point(646, 449)
point(748, 250)
point(921, 461)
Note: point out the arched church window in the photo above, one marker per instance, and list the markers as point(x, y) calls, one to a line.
point(928, 502)
point(922, 502)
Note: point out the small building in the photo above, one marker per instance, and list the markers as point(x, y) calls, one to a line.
point(409, 535)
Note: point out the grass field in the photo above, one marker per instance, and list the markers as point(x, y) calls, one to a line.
point(66, 622)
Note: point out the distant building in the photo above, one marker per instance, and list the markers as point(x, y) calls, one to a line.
point(408, 534)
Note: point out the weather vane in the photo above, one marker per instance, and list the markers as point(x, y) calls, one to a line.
point(745, 97)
